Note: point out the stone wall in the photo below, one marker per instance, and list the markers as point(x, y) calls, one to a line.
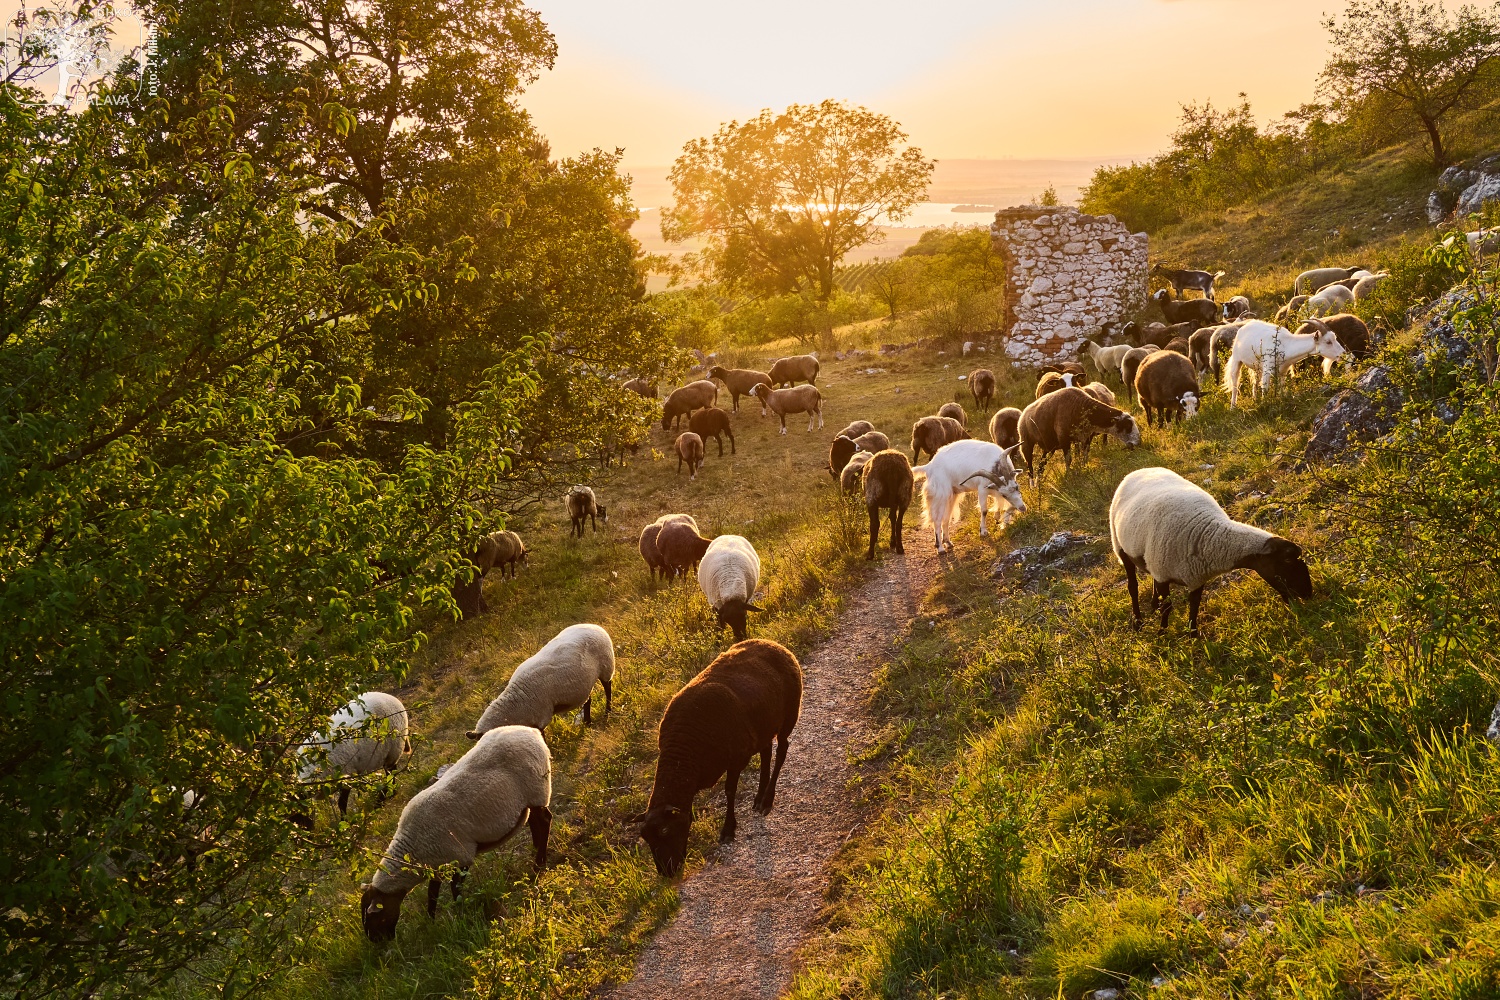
point(1068, 275)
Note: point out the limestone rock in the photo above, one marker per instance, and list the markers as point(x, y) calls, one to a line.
point(1356, 416)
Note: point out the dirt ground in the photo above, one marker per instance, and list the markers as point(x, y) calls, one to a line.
point(746, 915)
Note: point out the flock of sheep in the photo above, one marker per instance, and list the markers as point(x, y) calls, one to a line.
point(747, 701)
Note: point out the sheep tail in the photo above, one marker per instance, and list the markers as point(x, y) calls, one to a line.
point(919, 471)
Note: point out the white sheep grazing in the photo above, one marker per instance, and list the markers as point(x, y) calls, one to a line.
point(728, 576)
point(799, 399)
point(1331, 300)
point(1105, 358)
point(557, 678)
point(367, 735)
point(1267, 351)
point(504, 780)
point(1161, 524)
point(962, 467)
point(1366, 286)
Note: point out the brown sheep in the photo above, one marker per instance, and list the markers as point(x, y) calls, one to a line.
point(790, 371)
point(712, 422)
point(1049, 383)
point(584, 506)
point(872, 441)
point(1291, 309)
point(1351, 331)
point(1080, 374)
point(839, 454)
point(954, 411)
point(1167, 387)
point(647, 543)
point(1066, 417)
point(1179, 345)
point(683, 401)
point(800, 399)
point(852, 479)
point(1101, 392)
point(982, 388)
point(855, 429)
point(689, 448)
point(1201, 348)
point(888, 485)
point(501, 548)
point(741, 702)
point(681, 547)
point(739, 382)
point(1152, 333)
point(1003, 429)
point(641, 387)
point(1131, 363)
point(931, 433)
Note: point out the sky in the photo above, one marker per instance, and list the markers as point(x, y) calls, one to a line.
point(1098, 80)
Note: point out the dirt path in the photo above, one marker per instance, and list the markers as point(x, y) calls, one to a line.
point(745, 915)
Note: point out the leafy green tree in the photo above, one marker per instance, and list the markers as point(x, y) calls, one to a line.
point(780, 199)
point(1422, 58)
point(189, 579)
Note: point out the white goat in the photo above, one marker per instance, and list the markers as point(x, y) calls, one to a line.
point(962, 467)
point(1268, 350)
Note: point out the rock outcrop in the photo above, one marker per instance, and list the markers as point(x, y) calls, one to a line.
point(1355, 417)
point(1068, 274)
point(1465, 189)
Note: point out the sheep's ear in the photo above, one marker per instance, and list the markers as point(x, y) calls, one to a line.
point(752, 607)
point(473, 734)
point(366, 886)
point(639, 817)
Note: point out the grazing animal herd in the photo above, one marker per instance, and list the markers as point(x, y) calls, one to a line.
point(746, 703)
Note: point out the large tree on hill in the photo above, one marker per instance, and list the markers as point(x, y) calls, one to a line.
point(1425, 59)
point(780, 199)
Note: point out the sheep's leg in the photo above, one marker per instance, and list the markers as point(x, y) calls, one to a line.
point(897, 514)
point(782, 742)
point(874, 530)
point(731, 445)
point(783, 422)
point(731, 786)
point(1162, 592)
point(765, 780)
point(539, 822)
point(343, 800)
point(984, 506)
point(1135, 587)
point(456, 884)
point(1194, 599)
point(719, 438)
point(587, 702)
point(609, 696)
point(434, 890)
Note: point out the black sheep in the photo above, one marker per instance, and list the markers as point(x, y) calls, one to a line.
point(742, 701)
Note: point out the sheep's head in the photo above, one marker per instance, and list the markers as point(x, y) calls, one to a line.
point(1280, 564)
point(665, 831)
point(1189, 403)
point(839, 454)
point(379, 912)
point(718, 372)
point(1162, 296)
point(601, 513)
point(733, 614)
point(1125, 430)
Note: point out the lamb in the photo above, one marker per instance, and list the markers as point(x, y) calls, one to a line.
point(1353, 334)
point(1131, 363)
point(1104, 358)
point(739, 382)
point(1070, 416)
point(949, 475)
point(1181, 281)
point(683, 401)
point(557, 678)
point(1161, 524)
point(852, 479)
point(1291, 309)
point(504, 780)
point(369, 734)
point(689, 448)
point(647, 543)
point(742, 701)
point(888, 486)
point(1270, 351)
point(1237, 307)
point(1201, 312)
point(801, 399)
point(680, 546)
point(955, 412)
point(790, 371)
point(1366, 286)
point(1167, 387)
point(1003, 429)
point(1333, 299)
point(855, 429)
point(712, 422)
point(582, 504)
point(982, 388)
point(931, 433)
point(641, 387)
point(1321, 277)
point(503, 549)
point(728, 576)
